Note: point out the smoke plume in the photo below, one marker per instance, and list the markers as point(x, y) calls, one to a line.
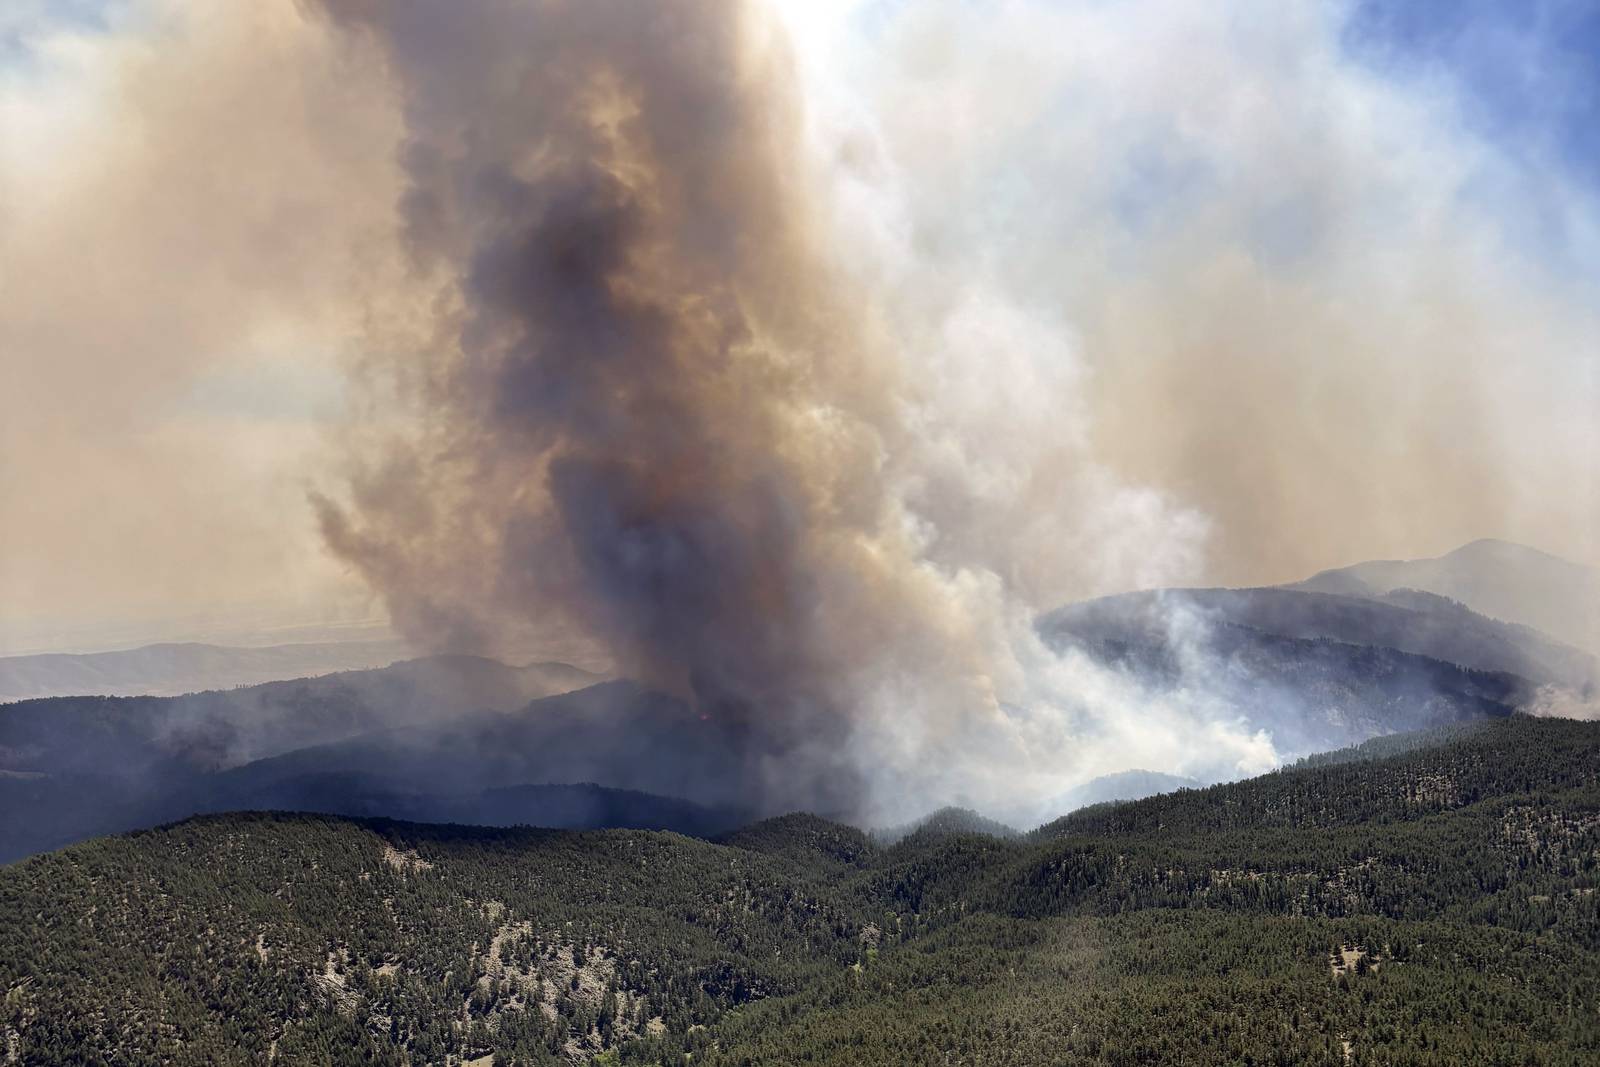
point(790, 357)
point(768, 387)
point(649, 408)
point(653, 405)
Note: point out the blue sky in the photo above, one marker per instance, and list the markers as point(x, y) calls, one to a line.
point(21, 20)
point(1527, 71)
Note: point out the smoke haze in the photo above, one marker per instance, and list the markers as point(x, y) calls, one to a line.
point(188, 209)
point(793, 358)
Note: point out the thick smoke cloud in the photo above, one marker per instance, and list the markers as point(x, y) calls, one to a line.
point(792, 358)
point(739, 358)
point(648, 408)
point(653, 405)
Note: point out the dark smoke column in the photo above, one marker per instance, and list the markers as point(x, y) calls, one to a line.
point(643, 403)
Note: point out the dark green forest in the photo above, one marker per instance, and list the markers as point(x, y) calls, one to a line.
point(1420, 900)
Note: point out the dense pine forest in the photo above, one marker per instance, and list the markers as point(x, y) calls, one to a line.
point(1420, 900)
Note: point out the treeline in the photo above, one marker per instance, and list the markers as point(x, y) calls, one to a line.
point(1427, 903)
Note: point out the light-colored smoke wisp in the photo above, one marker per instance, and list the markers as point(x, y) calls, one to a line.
point(650, 401)
point(1312, 296)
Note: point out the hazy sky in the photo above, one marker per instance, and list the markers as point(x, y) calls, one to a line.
point(1206, 292)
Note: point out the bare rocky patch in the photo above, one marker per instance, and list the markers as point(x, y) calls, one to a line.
point(1352, 959)
point(406, 861)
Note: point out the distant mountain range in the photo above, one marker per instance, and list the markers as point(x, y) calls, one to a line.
point(1322, 670)
point(219, 729)
point(71, 767)
point(172, 669)
point(471, 740)
point(1499, 579)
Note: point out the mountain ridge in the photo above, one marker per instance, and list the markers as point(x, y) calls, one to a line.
point(174, 668)
point(1500, 579)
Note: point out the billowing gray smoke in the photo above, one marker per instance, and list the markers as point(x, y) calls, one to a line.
point(700, 374)
point(796, 383)
point(627, 418)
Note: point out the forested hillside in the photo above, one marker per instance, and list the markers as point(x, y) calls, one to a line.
point(72, 767)
point(1422, 901)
